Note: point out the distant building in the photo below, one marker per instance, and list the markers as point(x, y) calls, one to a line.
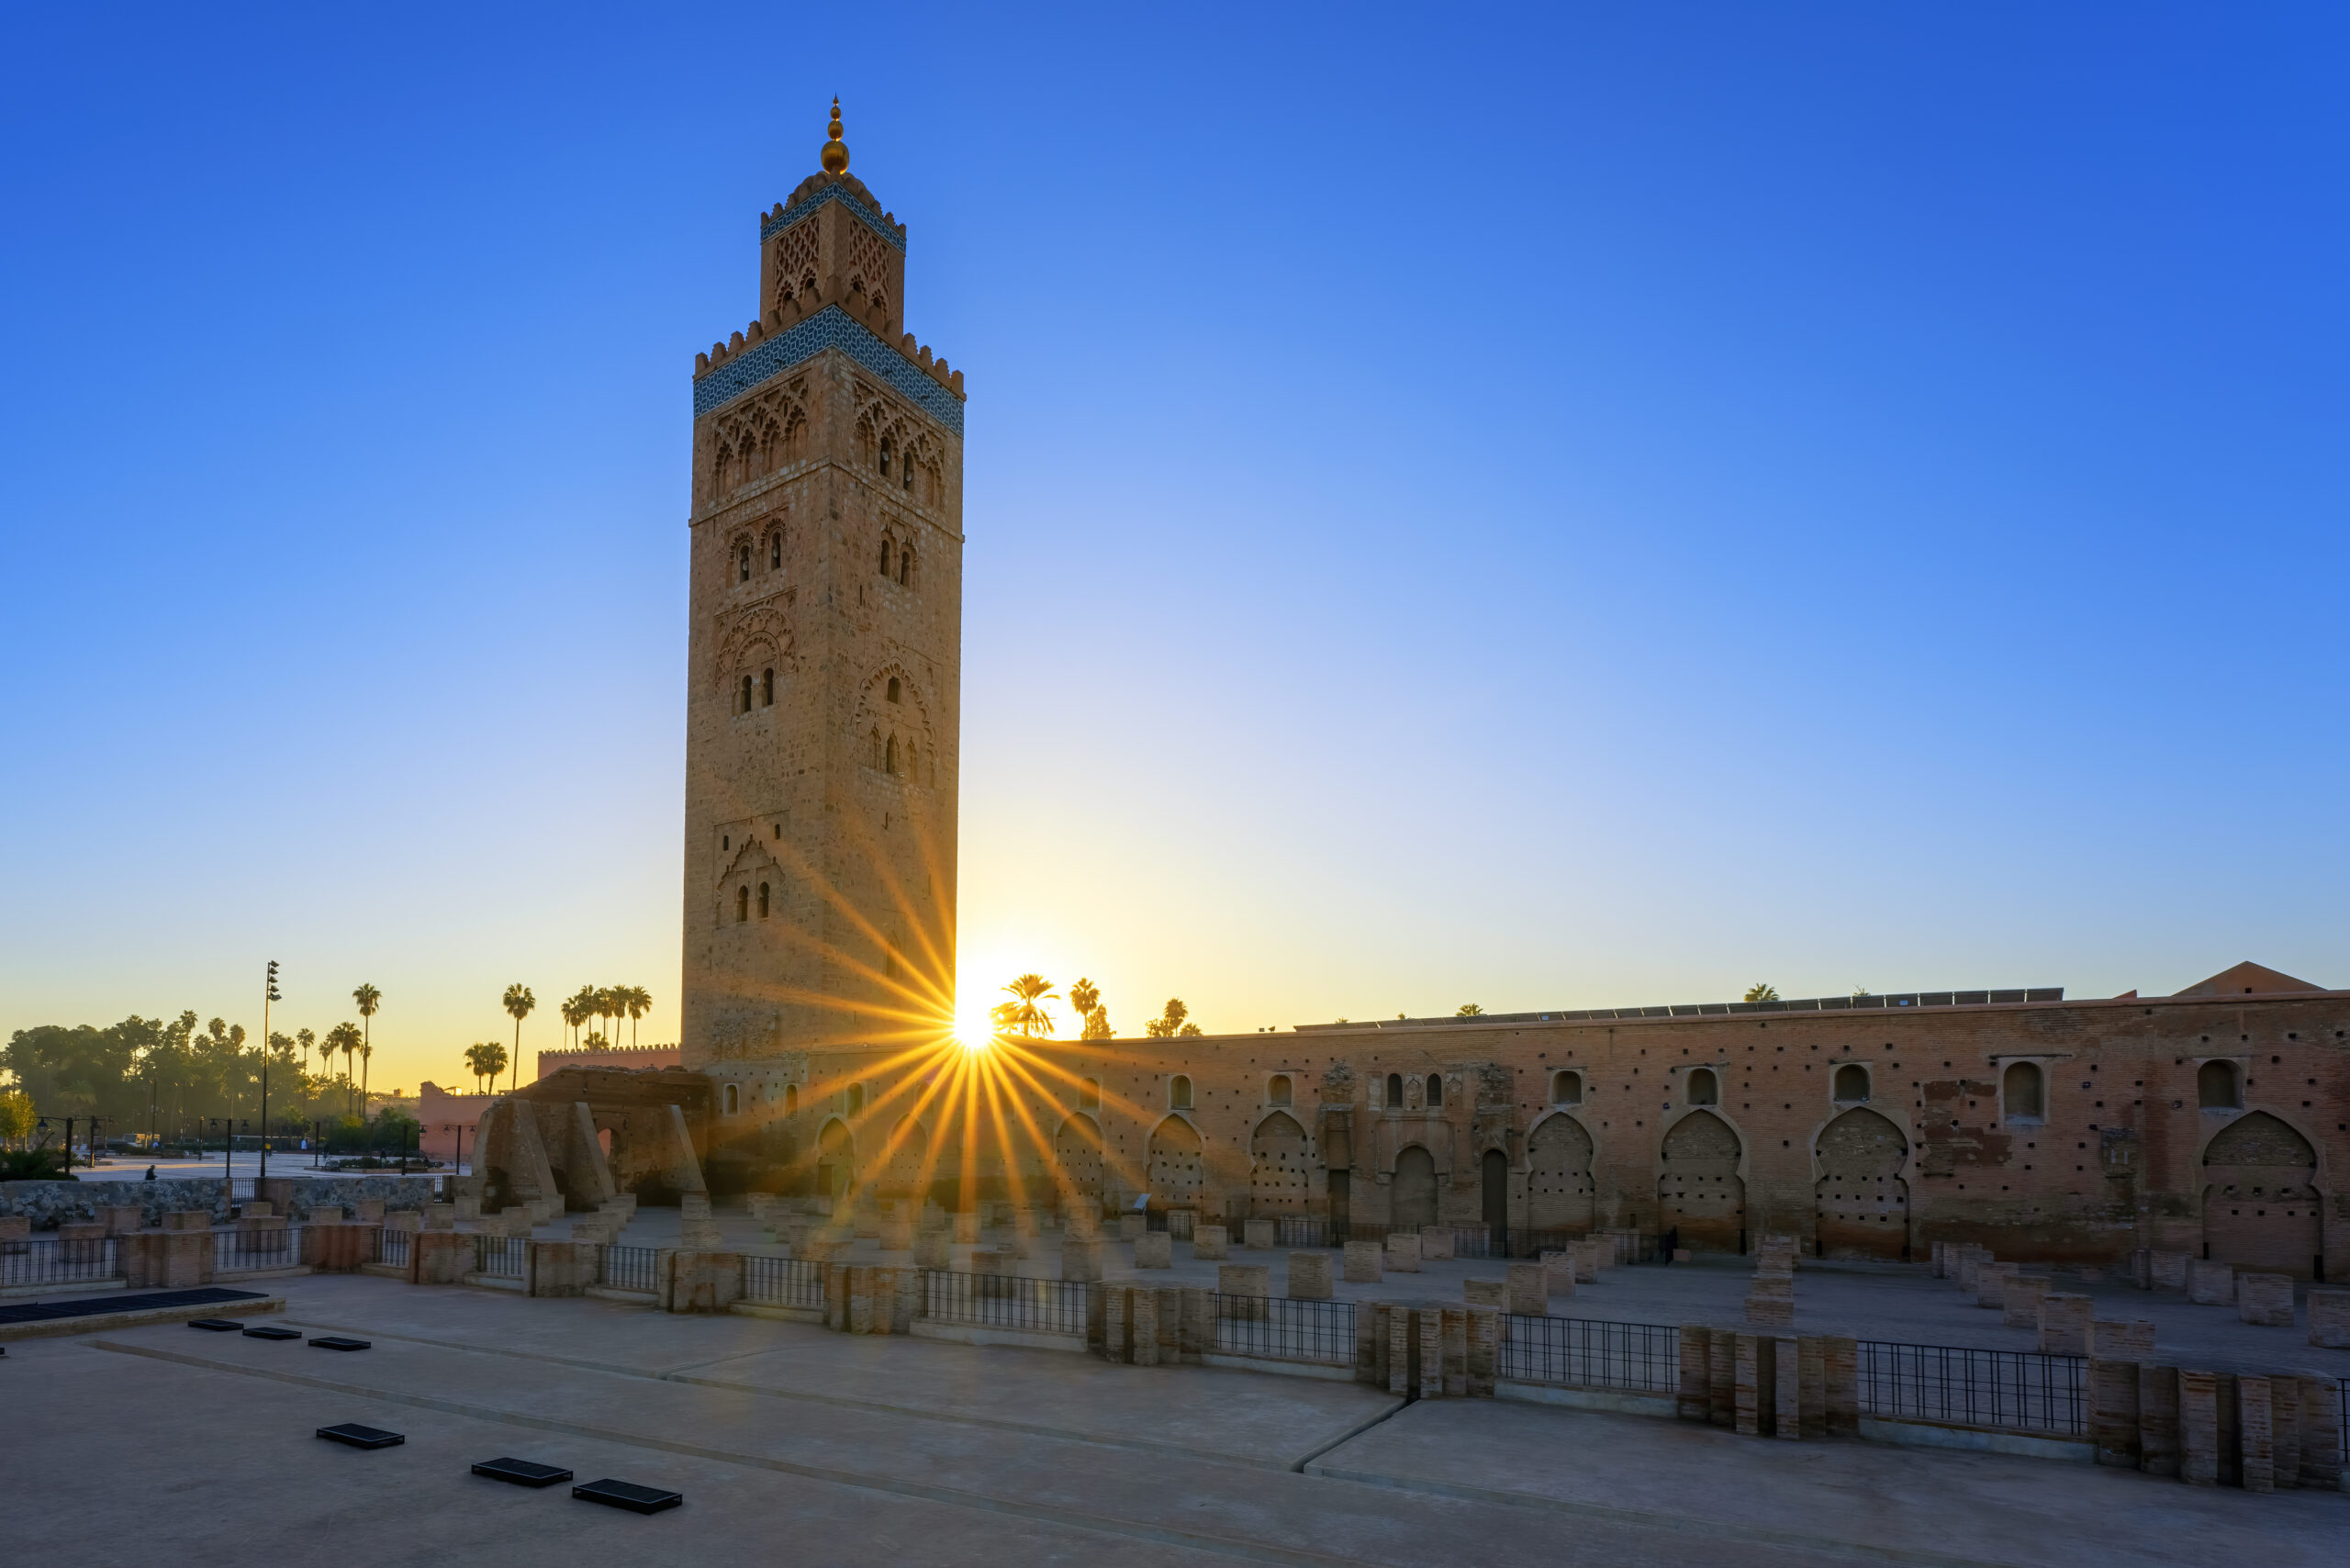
point(449, 1121)
point(627, 1057)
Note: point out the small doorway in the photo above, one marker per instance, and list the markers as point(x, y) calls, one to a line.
point(1496, 1195)
point(1338, 1203)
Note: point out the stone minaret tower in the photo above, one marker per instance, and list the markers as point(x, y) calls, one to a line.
point(824, 675)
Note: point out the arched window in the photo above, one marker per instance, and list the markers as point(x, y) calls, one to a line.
point(746, 696)
point(2216, 1087)
point(1566, 1089)
point(774, 551)
point(1394, 1091)
point(1277, 1092)
point(892, 691)
point(744, 571)
point(1704, 1088)
point(905, 567)
point(873, 748)
point(855, 1099)
point(1179, 1093)
point(906, 480)
point(2020, 1092)
point(885, 556)
point(730, 1100)
point(767, 689)
point(742, 904)
point(791, 1099)
point(885, 454)
point(889, 756)
point(1852, 1083)
point(1088, 1094)
point(763, 900)
point(1436, 1090)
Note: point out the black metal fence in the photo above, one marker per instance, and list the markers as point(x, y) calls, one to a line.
point(500, 1257)
point(1006, 1301)
point(235, 1251)
point(1278, 1328)
point(2018, 1390)
point(1582, 1352)
point(56, 1262)
point(391, 1247)
point(783, 1282)
point(629, 1269)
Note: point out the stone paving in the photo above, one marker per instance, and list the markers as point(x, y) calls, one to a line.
point(161, 1444)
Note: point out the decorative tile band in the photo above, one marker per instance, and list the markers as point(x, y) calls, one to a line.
point(830, 328)
point(771, 225)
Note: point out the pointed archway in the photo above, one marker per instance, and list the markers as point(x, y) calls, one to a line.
point(1277, 1167)
point(1558, 1184)
point(1860, 1204)
point(1077, 1155)
point(1175, 1164)
point(1412, 1192)
point(1699, 1191)
point(2260, 1209)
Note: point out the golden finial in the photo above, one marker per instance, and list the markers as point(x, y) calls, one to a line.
point(835, 153)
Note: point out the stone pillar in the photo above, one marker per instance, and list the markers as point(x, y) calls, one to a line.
point(1562, 1268)
point(1259, 1234)
point(1430, 1323)
point(2020, 1300)
point(2266, 1299)
point(967, 1227)
point(1436, 1244)
point(2285, 1430)
point(1991, 1285)
point(1142, 1326)
point(2130, 1340)
point(1131, 1227)
point(1404, 1252)
point(995, 1260)
point(2142, 1268)
point(1250, 1282)
point(1758, 1382)
point(1080, 1258)
point(2158, 1420)
point(1210, 1243)
point(1787, 1395)
point(1154, 1250)
point(2330, 1319)
point(2256, 1435)
point(1587, 1265)
point(2321, 1434)
point(1691, 1400)
point(1197, 1323)
point(2210, 1284)
point(1484, 1346)
point(439, 1257)
point(1722, 1377)
point(440, 1216)
point(931, 1252)
point(1309, 1276)
point(1771, 1300)
point(2113, 1412)
point(120, 1219)
point(1363, 1263)
point(1811, 1396)
point(1452, 1329)
point(1484, 1293)
point(1530, 1289)
point(1115, 1343)
point(1839, 1359)
point(2064, 1324)
point(1403, 1351)
point(2203, 1399)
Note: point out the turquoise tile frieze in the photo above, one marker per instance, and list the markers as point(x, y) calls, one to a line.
point(771, 225)
point(830, 328)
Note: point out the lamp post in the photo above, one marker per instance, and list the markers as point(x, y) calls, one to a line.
point(268, 994)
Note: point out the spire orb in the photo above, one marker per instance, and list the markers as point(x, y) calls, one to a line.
point(835, 155)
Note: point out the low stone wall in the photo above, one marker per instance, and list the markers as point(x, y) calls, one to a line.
point(48, 1205)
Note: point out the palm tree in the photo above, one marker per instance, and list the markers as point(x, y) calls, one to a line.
point(473, 1064)
point(519, 1002)
point(344, 1038)
point(493, 1056)
point(1023, 1014)
point(1469, 1010)
point(608, 1006)
point(639, 1003)
point(369, 999)
point(583, 1003)
point(1763, 991)
point(305, 1038)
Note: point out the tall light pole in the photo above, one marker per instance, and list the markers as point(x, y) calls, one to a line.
point(268, 994)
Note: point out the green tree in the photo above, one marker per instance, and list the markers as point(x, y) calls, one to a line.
point(1086, 998)
point(1468, 1010)
point(519, 1002)
point(493, 1056)
point(368, 998)
point(344, 1038)
point(639, 1001)
point(1764, 992)
point(17, 1118)
point(1169, 1022)
point(1024, 1014)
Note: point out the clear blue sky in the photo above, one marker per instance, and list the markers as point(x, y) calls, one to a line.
point(1562, 507)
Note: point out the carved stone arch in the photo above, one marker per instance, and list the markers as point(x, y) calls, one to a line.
point(1281, 1160)
point(835, 1157)
point(758, 638)
point(2261, 1205)
point(877, 719)
point(1078, 1160)
point(1412, 1192)
point(1176, 1171)
point(1860, 1199)
point(1559, 1157)
point(1699, 1191)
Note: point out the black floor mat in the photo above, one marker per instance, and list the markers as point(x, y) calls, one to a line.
point(91, 1306)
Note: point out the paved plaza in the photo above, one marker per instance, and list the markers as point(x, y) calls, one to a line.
point(791, 1443)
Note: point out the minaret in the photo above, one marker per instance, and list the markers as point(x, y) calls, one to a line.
point(824, 654)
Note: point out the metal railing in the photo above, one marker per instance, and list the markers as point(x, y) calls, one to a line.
point(783, 1282)
point(391, 1247)
point(500, 1257)
point(1278, 1328)
point(1006, 1301)
point(629, 1269)
point(2015, 1390)
point(1176, 1223)
point(238, 1250)
point(1584, 1352)
point(60, 1262)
